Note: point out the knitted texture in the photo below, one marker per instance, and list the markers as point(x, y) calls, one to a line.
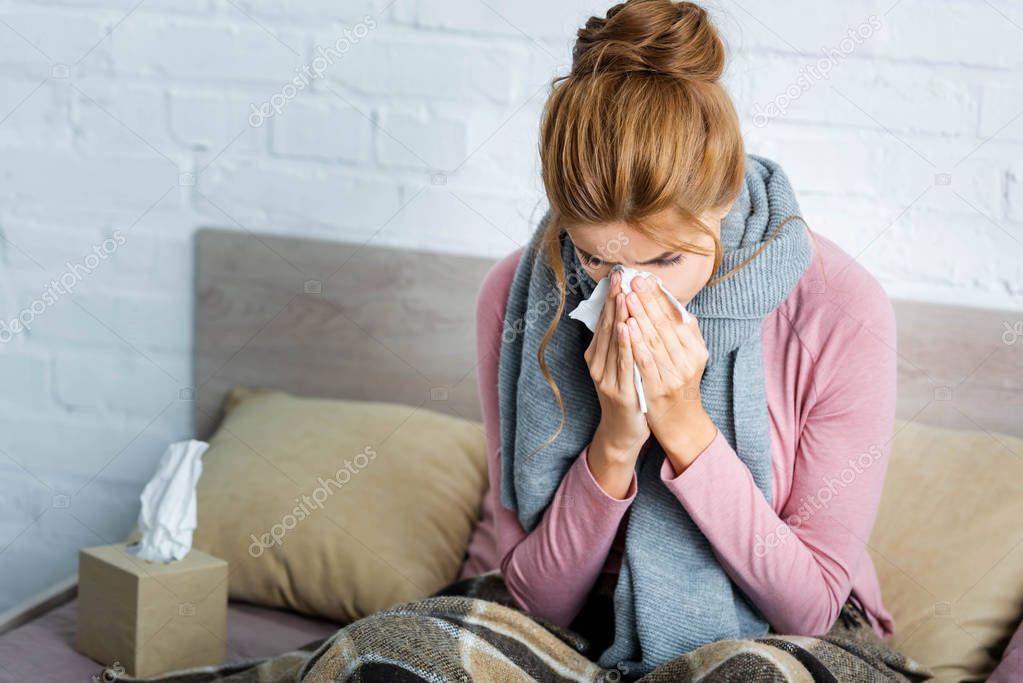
point(672, 595)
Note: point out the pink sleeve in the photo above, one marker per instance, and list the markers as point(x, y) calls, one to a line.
point(551, 570)
point(800, 573)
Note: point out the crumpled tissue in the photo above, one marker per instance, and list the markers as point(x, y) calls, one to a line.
point(588, 311)
point(168, 514)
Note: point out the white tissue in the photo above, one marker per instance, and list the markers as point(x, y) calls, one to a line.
point(588, 311)
point(168, 514)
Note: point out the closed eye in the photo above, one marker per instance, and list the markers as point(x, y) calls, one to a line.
point(670, 261)
point(595, 262)
point(589, 260)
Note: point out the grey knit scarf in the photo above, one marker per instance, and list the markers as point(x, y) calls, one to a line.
point(671, 594)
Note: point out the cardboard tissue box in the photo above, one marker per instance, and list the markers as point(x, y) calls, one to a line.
point(156, 605)
point(151, 617)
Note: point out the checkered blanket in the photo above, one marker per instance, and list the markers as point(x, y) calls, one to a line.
point(472, 631)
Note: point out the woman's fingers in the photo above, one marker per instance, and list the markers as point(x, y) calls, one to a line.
point(620, 315)
point(626, 382)
point(653, 301)
point(651, 337)
point(648, 369)
point(669, 309)
point(688, 333)
point(611, 361)
point(597, 352)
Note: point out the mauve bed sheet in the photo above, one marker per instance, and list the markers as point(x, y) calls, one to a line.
point(42, 650)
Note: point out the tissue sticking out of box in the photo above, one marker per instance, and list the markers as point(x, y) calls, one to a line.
point(588, 311)
point(168, 514)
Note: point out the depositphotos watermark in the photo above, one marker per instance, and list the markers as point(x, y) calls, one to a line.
point(62, 286)
point(541, 309)
point(818, 71)
point(312, 501)
point(325, 58)
point(810, 505)
point(1013, 332)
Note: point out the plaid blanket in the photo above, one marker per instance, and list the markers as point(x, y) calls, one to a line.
point(472, 631)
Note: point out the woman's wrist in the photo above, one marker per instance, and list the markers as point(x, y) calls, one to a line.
point(612, 465)
point(688, 440)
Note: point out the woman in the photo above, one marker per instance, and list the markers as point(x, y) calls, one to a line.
point(740, 503)
point(642, 161)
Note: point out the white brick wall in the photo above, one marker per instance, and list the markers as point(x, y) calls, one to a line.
point(415, 123)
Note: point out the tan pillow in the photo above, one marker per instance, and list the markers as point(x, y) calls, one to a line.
point(947, 546)
point(338, 508)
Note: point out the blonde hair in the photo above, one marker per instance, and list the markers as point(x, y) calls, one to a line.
point(640, 125)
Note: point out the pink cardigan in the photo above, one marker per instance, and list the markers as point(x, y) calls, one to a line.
point(830, 374)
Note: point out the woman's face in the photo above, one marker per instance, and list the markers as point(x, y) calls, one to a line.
point(601, 246)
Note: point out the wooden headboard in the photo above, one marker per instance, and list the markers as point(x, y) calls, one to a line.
point(345, 320)
point(333, 319)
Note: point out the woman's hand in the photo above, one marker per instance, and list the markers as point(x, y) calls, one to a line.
point(623, 429)
point(671, 356)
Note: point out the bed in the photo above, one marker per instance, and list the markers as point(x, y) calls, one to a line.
point(349, 320)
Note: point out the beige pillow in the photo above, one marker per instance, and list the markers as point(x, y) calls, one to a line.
point(338, 508)
point(947, 546)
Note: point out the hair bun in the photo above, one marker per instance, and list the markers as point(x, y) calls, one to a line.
point(661, 37)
